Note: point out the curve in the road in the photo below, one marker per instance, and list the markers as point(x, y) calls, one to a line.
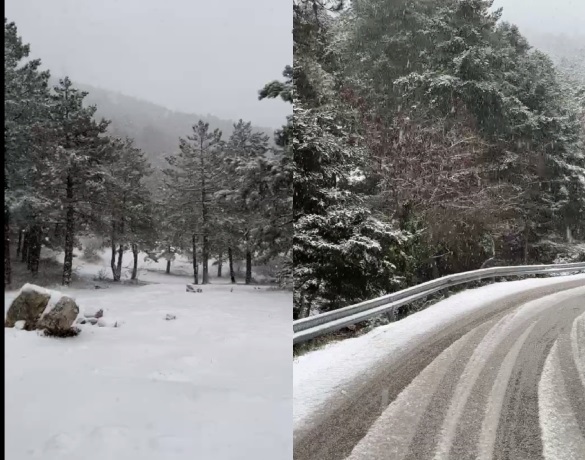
point(506, 383)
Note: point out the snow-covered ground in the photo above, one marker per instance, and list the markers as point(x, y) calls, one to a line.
point(322, 374)
point(149, 271)
point(215, 383)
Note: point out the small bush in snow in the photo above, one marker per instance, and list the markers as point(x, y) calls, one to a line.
point(91, 252)
point(102, 275)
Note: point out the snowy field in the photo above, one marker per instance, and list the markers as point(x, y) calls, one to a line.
point(324, 373)
point(215, 383)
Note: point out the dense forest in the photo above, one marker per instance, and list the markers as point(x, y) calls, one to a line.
point(429, 138)
point(68, 173)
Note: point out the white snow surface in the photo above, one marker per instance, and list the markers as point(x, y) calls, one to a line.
point(324, 373)
point(214, 384)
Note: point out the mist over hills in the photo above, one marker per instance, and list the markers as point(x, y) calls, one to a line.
point(155, 129)
point(567, 52)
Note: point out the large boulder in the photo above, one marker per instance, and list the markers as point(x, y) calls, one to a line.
point(37, 308)
point(28, 306)
point(59, 319)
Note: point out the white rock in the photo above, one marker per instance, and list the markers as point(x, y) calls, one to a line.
point(110, 322)
point(93, 312)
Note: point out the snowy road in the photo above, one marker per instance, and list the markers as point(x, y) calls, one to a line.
point(503, 380)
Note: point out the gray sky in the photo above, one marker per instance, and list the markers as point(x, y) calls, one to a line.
point(189, 55)
point(546, 16)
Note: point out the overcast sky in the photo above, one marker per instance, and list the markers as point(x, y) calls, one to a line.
point(189, 55)
point(546, 16)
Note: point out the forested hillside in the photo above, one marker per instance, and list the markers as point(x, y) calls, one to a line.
point(430, 138)
point(561, 48)
point(143, 180)
point(154, 128)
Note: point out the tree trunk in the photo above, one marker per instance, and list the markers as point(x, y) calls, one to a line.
point(7, 266)
point(24, 250)
point(119, 266)
point(19, 246)
point(204, 228)
point(135, 266)
point(195, 266)
point(168, 272)
point(570, 238)
point(115, 275)
point(34, 249)
point(219, 264)
point(526, 234)
point(69, 234)
point(205, 260)
point(231, 266)
point(31, 246)
point(248, 266)
point(248, 259)
point(305, 309)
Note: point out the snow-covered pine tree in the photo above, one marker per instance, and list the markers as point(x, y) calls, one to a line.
point(26, 104)
point(74, 163)
point(342, 252)
point(277, 173)
point(194, 177)
point(244, 190)
point(422, 71)
point(130, 221)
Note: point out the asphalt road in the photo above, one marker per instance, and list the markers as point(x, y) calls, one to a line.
point(507, 382)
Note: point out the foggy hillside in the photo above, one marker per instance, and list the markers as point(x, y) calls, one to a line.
point(566, 51)
point(155, 129)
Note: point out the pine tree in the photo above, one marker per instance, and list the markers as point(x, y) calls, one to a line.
point(194, 178)
point(244, 191)
point(131, 209)
point(436, 77)
point(74, 163)
point(26, 105)
point(277, 174)
point(342, 251)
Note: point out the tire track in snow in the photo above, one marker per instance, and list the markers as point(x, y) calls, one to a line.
point(400, 420)
point(561, 432)
point(578, 346)
point(518, 432)
point(471, 392)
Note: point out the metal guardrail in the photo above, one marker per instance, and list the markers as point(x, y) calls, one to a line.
point(315, 326)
